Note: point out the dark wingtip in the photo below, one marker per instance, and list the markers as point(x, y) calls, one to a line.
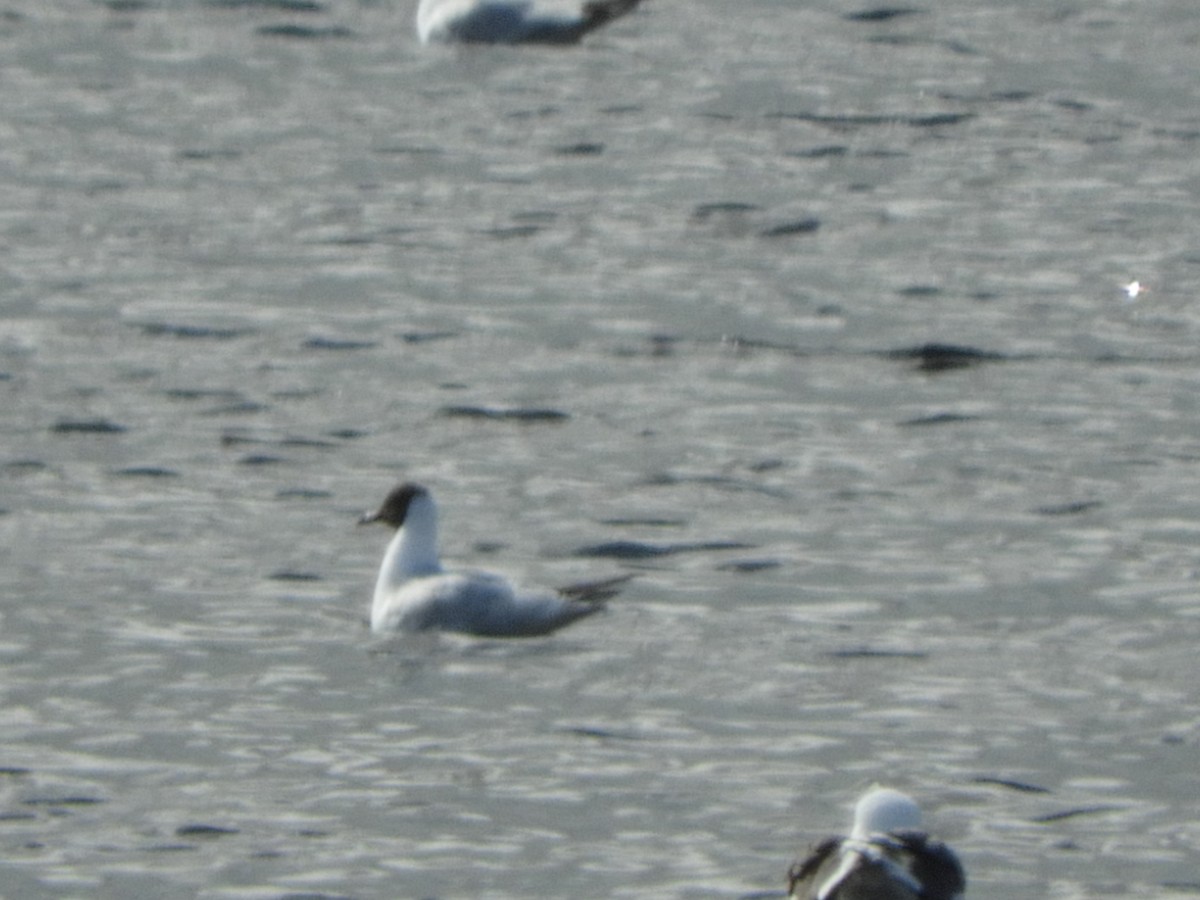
point(596, 592)
point(601, 12)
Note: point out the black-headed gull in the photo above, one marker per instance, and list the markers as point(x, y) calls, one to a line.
point(512, 21)
point(886, 857)
point(414, 593)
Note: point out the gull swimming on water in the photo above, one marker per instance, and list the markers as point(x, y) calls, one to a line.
point(512, 21)
point(414, 593)
point(886, 857)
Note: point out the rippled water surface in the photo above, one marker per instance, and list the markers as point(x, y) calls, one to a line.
point(810, 314)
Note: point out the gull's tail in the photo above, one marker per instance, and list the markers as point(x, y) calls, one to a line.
point(601, 12)
point(595, 592)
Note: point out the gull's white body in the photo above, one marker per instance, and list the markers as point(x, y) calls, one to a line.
point(414, 593)
point(512, 21)
point(886, 857)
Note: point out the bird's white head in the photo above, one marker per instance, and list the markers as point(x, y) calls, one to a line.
point(883, 811)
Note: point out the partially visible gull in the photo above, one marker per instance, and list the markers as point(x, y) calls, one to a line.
point(414, 593)
point(886, 857)
point(512, 21)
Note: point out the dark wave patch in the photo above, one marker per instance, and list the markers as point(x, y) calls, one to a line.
point(87, 426)
point(851, 121)
point(705, 211)
point(291, 575)
point(424, 337)
point(1023, 786)
point(298, 393)
point(409, 150)
point(876, 653)
point(510, 232)
point(488, 546)
point(292, 6)
point(795, 228)
point(642, 550)
point(881, 14)
point(1186, 135)
point(147, 472)
point(600, 734)
point(647, 522)
point(937, 357)
point(749, 566)
point(583, 148)
point(662, 345)
point(825, 151)
point(919, 291)
point(1075, 812)
point(1075, 106)
point(521, 414)
point(67, 800)
point(624, 550)
point(546, 111)
point(264, 450)
point(237, 408)
point(261, 459)
point(202, 394)
point(191, 332)
point(338, 344)
point(292, 32)
point(204, 831)
point(24, 466)
point(238, 438)
point(1068, 509)
point(207, 154)
point(302, 494)
point(1015, 96)
point(307, 442)
point(725, 482)
point(909, 40)
point(943, 418)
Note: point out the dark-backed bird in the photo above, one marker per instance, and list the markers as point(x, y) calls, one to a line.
point(886, 857)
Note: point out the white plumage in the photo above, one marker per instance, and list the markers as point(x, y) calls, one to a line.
point(414, 593)
point(512, 21)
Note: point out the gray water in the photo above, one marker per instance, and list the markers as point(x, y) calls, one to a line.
point(659, 304)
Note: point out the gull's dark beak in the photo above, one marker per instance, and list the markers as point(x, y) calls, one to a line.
point(368, 518)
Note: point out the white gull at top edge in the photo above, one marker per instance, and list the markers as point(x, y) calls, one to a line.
point(513, 21)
